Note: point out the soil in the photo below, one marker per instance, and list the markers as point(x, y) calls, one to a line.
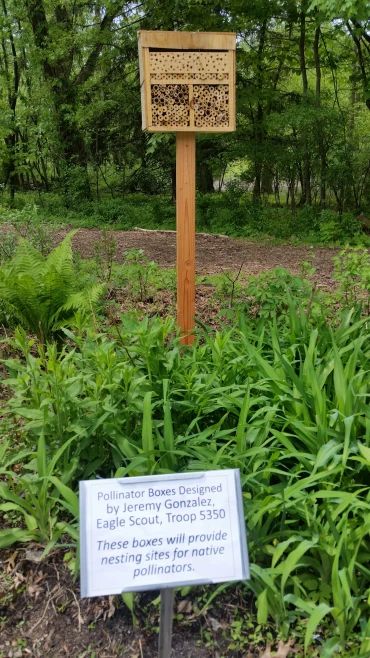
point(214, 253)
point(41, 613)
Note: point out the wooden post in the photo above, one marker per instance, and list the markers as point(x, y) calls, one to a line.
point(185, 239)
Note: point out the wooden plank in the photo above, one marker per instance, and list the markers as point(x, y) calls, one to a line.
point(185, 242)
point(188, 40)
point(156, 80)
point(178, 129)
point(144, 117)
point(147, 88)
point(232, 108)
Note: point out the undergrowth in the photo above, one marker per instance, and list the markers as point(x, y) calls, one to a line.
point(231, 213)
point(281, 392)
point(284, 399)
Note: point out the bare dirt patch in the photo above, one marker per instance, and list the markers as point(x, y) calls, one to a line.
point(41, 615)
point(214, 253)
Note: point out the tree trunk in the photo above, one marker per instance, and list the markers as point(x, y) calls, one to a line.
point(12, 75)
point(267, 180)
point(259, 132)
point(320, 136)
point(361, 42)
point(306, 166)
point(205, 178)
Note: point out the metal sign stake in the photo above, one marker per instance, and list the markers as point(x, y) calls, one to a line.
point(165, 622)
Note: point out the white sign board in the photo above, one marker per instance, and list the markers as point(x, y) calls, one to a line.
point(161, 531)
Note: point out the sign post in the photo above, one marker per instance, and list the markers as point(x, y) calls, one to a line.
point(165, 623)
point(187, 86)
point(161, 532)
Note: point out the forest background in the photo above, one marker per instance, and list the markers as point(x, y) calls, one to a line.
point(70, 120)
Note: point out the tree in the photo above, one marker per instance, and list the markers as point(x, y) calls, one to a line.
point(69, 41)
point(355, 17)
point(10, 73)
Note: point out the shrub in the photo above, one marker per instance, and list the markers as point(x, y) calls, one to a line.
point(164, 212)
point(138, 273)
point(8, 244)
point(334, 227)
point(271, 293)
point(352, 273)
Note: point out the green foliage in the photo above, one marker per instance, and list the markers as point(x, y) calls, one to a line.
point(105, 253)
point(352, 273)
point(139, 273)
point(338, 8)
point(334, 227)
point(25, 223)
point(74, 184)
point(42, 291)
point(272, 293)
point(281, 394)
point(232, 213)
point(40, 497)
point(8, 245)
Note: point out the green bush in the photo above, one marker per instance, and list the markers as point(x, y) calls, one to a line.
point(8, 245)
point(272, 293)
point(335, 227)
point(352, 273)
point(25, 223)
point(39, 497)
point(74, 185)
point(164, 212)
point(232, 212)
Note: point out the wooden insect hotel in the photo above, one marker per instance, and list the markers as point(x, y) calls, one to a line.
point(187, 81)
point(187, 86)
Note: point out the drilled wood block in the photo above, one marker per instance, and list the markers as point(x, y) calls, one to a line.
point(189, 85)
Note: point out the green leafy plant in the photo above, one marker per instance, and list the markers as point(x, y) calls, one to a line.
point(8, 245)
point(41, 497)
point(42, 291)
point(285, 400)
point(105, 252)
point(271, 293)
point(140, 272)
point(352, 273)
point(29, 224)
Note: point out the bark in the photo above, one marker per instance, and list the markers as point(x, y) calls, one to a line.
point(205, 178)
point(361, 41)
point(259, 133)
point(320, 135)
point(267, 179)
point(12, 74)
point(306, 196)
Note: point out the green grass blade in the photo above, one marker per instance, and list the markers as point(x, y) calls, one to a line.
point(314, 620)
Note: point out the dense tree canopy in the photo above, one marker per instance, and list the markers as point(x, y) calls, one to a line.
point(70, 102)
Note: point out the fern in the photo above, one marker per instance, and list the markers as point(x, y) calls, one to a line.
point(43, 292)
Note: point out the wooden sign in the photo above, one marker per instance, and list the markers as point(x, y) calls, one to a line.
point(187, 81)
